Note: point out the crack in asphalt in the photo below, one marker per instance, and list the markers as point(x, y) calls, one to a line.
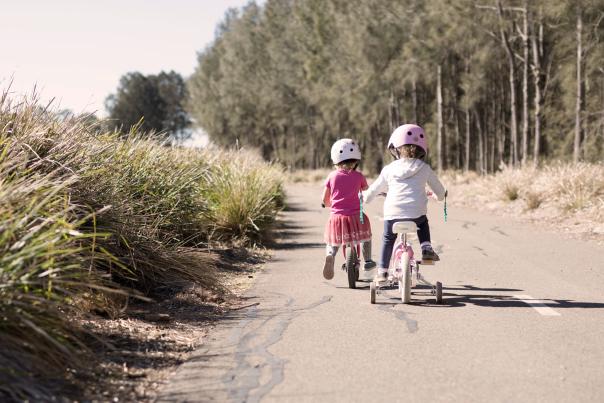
point(412, 325)
point(245, 378)
point(467, 224)
point(481, 251)
point(499, 231)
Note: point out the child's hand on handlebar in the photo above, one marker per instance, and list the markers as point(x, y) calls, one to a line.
point(431, 194)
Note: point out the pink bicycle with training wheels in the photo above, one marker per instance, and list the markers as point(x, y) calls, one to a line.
point(404, 272)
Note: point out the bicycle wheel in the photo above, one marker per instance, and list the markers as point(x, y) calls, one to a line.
point(351, 267)
point(439, 292)
point(405, 283)
point(372, 291)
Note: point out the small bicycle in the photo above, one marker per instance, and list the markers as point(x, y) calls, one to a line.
point(404, 269)
point(351, 255)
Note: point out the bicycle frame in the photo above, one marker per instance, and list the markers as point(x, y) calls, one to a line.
point(404, 268)
point(404, 246)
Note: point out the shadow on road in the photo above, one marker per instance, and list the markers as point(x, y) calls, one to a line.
point(507, 301)
point(297, 245)
point(422, 296)
point(285, 234)
point(452, 300)
point(295, 207)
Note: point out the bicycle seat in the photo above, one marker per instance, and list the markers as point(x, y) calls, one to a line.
point(404, 227)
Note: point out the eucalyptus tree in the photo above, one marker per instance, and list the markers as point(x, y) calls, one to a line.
point(291, 76)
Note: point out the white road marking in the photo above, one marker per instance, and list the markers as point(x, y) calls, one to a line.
point(539, 305)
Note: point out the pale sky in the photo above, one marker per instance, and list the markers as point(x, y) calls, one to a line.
point(77, 50)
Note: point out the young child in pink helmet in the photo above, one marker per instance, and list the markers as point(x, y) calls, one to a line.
point(405, 181)
point(341, 194)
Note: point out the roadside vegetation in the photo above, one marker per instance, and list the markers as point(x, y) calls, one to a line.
point(90, 220)
point(570, 196)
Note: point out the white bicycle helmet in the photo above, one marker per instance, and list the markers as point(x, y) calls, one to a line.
point(345, 149)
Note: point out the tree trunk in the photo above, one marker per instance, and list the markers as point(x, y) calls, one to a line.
point(480, 167)
point(579, 104)
point(493, 140)
point(512, 77)
point(440, 130)
point(537, 56)
point(501, 125)
point(414, 97)
point(467, 145)
point(392, 112)
point(457, 142)
point(525, 92)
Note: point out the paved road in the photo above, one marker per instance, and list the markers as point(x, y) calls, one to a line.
point(523, 320)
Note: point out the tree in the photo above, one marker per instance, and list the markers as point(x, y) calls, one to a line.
point(291, 76)
point(154, 101)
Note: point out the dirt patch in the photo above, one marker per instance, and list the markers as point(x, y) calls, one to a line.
point(140, 349)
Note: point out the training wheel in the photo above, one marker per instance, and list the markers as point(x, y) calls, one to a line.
point(439, 292)
point(372, 291)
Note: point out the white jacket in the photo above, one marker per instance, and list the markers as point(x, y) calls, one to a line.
point(405, 181)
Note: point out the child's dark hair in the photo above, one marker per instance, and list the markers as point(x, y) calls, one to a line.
point(351, 164)
point(412, 151)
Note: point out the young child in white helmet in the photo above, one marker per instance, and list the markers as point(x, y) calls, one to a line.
point(405, 181)
point(341, 194)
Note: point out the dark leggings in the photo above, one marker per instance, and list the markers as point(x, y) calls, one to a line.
point(423, 233)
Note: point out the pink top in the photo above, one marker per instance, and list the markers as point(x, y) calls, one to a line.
point(345, 187)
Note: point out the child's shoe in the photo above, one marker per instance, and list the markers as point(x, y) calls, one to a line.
point(328, 267)
point(381, 276)
point(369, 264)
point(429, 254)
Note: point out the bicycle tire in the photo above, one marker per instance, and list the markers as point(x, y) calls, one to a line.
point(351, 267)
point(406, 279)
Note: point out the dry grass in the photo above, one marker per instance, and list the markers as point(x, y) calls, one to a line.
point(89, 219)
point(533, 200)
point(556, 192)
point(308, 176)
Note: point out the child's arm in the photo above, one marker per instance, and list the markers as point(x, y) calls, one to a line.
point(380, 185)
point(326, 197)
point(436, 186)
point(364, 185)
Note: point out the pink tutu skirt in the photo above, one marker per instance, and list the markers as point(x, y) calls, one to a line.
point(347, 230)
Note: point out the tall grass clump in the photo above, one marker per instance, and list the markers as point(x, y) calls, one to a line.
point(579, 186)
point(243, 194)
point(46, 264)
point(89, 217)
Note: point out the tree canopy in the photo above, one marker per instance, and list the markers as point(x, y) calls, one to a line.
point(495, 82)
point(154, 101)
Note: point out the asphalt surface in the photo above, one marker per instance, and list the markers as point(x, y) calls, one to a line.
point(522, 321)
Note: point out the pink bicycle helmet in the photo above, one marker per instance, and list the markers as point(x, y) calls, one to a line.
point(407, 134)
